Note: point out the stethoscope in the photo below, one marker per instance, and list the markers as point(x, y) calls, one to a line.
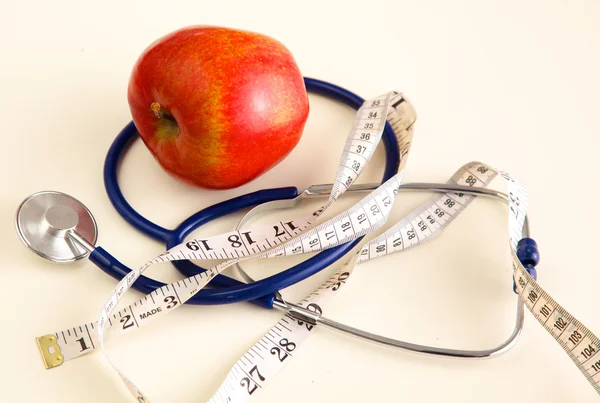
point(59, 228)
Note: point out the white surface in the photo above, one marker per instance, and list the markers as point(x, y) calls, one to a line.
point(512, 84)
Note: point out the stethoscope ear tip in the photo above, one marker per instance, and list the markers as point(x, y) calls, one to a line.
point(46, 222)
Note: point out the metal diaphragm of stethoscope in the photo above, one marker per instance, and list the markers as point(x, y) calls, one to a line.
point(59, 228)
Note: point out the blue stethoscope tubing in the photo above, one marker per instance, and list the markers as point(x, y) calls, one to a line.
point(229, 290)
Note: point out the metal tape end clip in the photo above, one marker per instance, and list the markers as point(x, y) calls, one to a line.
point(49, 350)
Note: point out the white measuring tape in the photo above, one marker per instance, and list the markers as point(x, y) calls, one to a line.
point(285, 238)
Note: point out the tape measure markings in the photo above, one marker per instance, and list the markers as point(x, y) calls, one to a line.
point(585, 347)
point(405, 234)
point(168, 301)
point(349, 231)
point(352, 220)
point(367, 215)
point(237, 388)
point(571, 330)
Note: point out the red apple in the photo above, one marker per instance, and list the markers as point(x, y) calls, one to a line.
point(218, 107)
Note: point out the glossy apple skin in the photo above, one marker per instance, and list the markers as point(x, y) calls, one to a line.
point(236, 100)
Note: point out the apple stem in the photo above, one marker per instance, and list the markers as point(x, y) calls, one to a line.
point(160, 112)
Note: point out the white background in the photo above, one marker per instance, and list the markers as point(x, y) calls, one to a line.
point(514, 84)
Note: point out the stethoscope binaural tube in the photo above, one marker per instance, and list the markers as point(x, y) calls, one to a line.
point(261, 292)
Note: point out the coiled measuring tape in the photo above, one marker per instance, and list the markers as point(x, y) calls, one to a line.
point(262, 362)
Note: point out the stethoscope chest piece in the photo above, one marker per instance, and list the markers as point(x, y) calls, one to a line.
point(48, 223)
